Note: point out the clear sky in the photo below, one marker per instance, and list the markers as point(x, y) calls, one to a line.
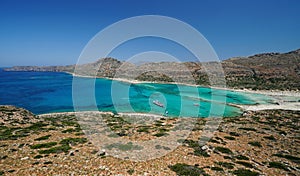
point(54, 32)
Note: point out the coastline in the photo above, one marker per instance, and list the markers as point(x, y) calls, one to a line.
point(265, 92)
point(283, 106)
point(103, 112)
point(260, 107)
point(280, 97)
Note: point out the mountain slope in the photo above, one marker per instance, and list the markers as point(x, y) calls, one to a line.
point(261, 71)
point(265, 71)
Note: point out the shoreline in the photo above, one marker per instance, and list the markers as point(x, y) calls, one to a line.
point(105, 112)
point(293, 106)
point(264, 92)
point(72, 113)
point(284, 106)
point(280, 97)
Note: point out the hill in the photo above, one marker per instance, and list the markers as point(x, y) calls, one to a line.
point(265, 71)
point(268, 71)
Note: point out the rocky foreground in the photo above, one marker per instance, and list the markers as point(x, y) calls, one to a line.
point(256, 143)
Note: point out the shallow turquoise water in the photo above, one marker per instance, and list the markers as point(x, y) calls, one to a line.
point(44, 92)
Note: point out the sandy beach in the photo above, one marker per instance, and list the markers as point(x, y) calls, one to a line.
point(285, 100)
point(265, 92)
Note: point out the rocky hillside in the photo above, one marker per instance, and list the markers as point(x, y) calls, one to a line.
point(261, 71)
point(256, 143)
point(265, 71)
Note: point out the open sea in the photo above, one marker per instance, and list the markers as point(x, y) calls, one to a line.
point(46, 92)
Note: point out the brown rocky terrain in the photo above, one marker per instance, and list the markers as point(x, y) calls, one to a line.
point(265, 71)
point(256, 143)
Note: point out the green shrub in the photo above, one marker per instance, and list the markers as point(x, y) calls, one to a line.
point(199, 152)
point(229, 137)
point(69, 130)
point(283, 133)
point(160, 134)
point(70, 123)
point(38, 157)
point(225, 165)
point(79, 134)
point(242, 157)
point(197, 149)
point(143, 129)
point(58, 149)
point(278, 166)
point(246, 164)
point(162, 130)
point(12, 133)
point(36, 126)
point(255, 143)
point(191, 143)
point(130, 171)
point(48, 162)
point(187, 170)
point(247, 129)
point(44, 145)
point(217, 168)
point(245, 172)
point(223, 150)
point(289, 157)
point(214, 141)
point(272, 138)
point(42, 138)
point(158, 147)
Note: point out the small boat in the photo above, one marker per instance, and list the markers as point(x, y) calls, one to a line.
point(157, 103)
point(196, 104)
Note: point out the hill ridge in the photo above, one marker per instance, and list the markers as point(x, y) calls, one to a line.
point(280, 71)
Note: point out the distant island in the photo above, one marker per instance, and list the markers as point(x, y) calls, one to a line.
point(268, 71)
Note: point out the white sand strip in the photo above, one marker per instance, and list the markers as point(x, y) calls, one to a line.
point(284, 106)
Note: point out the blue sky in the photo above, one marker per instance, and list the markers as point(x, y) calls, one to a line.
point(54, 32)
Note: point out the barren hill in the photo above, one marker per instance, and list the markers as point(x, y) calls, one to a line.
point(265, 71)
point(260, 71)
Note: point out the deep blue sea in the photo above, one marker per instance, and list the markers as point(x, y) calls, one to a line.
point(45, 92)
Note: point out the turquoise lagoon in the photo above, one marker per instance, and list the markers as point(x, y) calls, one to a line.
point(46, 92)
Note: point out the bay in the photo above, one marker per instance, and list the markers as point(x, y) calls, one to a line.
point(46, 92)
